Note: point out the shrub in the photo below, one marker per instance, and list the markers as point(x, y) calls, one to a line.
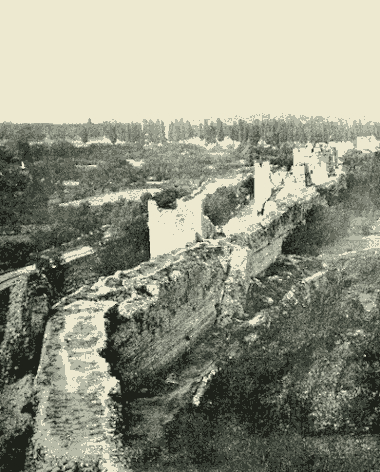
point(248, 185)
point(283, 160)
point(129, 244)
point(120, 254)
point(83, 218)
point(6, 154)
point(38, 151)
point(145, 197)
point(167, 199)
point(14, 251)
point(54, 269)
point(63, 149)
point(220, 206)
point(366, 229)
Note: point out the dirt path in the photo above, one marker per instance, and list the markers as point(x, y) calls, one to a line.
point(98, 200)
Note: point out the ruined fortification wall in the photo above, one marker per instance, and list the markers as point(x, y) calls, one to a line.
point(162, 306)
point(118, 334)
point(173, 229)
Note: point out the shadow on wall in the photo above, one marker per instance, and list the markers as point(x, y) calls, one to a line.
point(324, 225)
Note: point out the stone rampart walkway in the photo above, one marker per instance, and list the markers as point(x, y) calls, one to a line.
point(75, 416)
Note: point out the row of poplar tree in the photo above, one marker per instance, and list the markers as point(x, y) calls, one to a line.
point(272, 131)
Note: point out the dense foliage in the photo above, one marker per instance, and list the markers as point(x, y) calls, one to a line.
point(220, 206)
point(129, 244)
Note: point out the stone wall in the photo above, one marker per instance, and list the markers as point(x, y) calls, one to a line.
point(173, 229)
point(164, 305)
point(124, 333)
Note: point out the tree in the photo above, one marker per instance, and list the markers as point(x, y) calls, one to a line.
point(201, 131)
point(123, 134)
point(273, 133)
point(213, 132)
point(191, 131)
point(254, 134)
point(282, 130)
point(291, 131)
point(128, 133)
point(176, 131)
point(297, 133)
point(219, 130)
point(145, 131)
point(112, 134)
point(23, 191)
point(246, 131)
point(155, 131)
point(13, 202)
point(163, 133)
point(171, 132)
point(206, 132)
point(242, 134)
point(141, 136)
point(84, 134)
point(181, 130)
point(188, 130)
point(326, 132)
point(377, 130)
point(19, 143)
point(235, 132)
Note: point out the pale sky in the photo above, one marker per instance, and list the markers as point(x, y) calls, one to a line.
point(67, 61)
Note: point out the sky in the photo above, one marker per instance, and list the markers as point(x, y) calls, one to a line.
point(68, 61)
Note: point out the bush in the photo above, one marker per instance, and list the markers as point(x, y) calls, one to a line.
point(167, 199)
point(54, 236)
point(14, 251)
point(248, 185)
point(220, 206)
point(120, 254)
point(283, 160)
point(6, 154)
point(38, 151)
point(129, 244)
point(63, 149)
point(145, 197)
point(54, 269)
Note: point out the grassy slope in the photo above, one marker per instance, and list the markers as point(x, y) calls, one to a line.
point(304, 411)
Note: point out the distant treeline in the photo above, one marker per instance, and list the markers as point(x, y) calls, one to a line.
point(272, 130)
